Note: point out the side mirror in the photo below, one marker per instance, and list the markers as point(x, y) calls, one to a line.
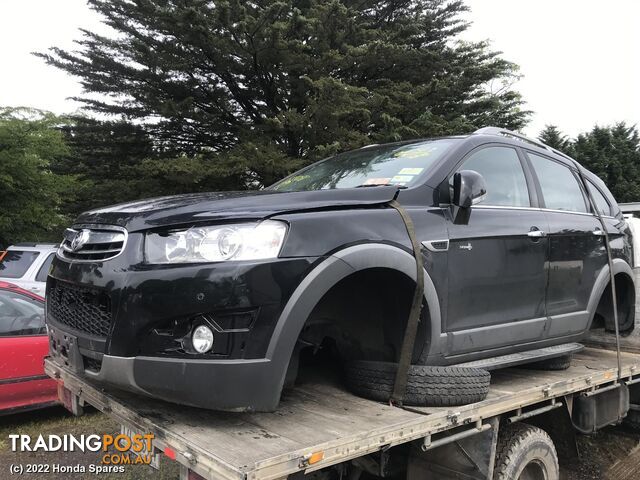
point(469, 188)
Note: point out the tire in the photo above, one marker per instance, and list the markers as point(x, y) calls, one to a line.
point(525, 452)
point(426, 386)
point(632, 420)
point(558, 363)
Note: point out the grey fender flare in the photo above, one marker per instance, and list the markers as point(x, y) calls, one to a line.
point(619, 266)
point(324, 276)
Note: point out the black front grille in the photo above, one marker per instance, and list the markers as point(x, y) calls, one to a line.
point(85, 309)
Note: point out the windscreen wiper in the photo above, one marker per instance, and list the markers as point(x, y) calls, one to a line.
point(366, 185)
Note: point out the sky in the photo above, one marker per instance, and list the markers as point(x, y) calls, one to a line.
point(579, 59)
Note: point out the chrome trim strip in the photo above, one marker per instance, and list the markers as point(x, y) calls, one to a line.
point(551, 210)
point(69, 233)
point(536, 209)
point(506, 207)
point(91, 252)
point(96, 236)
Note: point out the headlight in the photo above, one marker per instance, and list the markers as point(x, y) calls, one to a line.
point(244, 241)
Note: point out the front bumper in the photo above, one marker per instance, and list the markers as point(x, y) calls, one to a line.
point(233, 385)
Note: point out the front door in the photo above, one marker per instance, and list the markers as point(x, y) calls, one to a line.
point(497, 259)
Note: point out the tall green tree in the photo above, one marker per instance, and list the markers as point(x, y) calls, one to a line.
point(552, 136)
point(612, 153)
point(104, 155)
point(117, 162)
point(253, 86)
point(31, 195)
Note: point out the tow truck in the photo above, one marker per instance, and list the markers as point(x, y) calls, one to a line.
point(320, 429)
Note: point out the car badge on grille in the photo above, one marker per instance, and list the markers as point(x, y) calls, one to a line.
point(80, 239)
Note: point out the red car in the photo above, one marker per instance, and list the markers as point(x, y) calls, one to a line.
point(23, 346)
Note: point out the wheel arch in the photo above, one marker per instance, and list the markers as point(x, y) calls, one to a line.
point(620, 267)
point(328, 273)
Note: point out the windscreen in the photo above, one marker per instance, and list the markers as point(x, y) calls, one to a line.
point(401, 165)
point(15, 263)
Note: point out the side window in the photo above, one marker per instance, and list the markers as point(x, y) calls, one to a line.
point(560, 187)
point(603, 206)
point(15, 263)
point(44, 269)
point(20, 315)
point(502, 171)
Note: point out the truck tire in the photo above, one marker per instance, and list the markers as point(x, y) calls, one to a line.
point(558, 363)
point(632, 420)
point(426, 386)
point(525, 452)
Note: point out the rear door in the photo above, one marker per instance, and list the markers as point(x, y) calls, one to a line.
point(36, 278)
point(577, 252)
point(497, 259)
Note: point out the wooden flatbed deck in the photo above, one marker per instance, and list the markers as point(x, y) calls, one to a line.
point(321, 416)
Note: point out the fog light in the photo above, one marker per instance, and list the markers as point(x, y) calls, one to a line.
point(202, 339)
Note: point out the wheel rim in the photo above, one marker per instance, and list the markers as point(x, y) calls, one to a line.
point(534, 470)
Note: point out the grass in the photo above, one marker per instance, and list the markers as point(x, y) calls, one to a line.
point(58, 421)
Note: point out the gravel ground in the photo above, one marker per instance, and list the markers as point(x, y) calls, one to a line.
point(611, 454)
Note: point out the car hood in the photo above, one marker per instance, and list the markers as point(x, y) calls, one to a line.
point(215, 206)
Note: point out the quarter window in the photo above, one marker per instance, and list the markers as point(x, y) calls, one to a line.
point(502, 171)
point(559, 185)
point(44, 269)
point(601, 203)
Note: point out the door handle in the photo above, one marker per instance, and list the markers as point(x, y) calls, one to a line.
point(536, 234)
point(598, 232)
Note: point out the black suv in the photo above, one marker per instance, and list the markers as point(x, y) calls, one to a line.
point(209, 299)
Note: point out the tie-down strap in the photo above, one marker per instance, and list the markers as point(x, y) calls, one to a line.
point(410, 332)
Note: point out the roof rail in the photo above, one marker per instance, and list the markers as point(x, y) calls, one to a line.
point(509, 133)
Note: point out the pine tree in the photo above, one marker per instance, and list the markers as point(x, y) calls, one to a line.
point(103, 154)
point(612, 153)
point(254, 86)
point(553, 137)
